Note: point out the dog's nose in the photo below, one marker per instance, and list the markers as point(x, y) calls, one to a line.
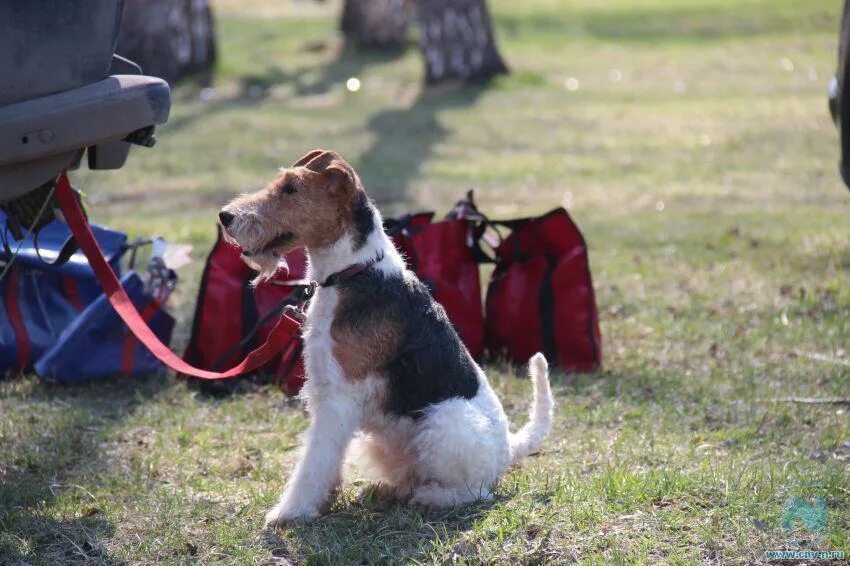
point(225, 217)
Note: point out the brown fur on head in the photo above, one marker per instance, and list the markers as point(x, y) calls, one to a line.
point(309, 204)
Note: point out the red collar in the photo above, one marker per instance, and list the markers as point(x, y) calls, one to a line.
point(351, 271)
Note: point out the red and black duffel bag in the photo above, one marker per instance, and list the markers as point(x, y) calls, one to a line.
point(540, 297)
point(232, 317)
point(443, 257)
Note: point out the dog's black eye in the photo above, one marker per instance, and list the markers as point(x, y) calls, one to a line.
point(289, 189)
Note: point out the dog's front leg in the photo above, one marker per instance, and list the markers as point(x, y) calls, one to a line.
point(318, 470)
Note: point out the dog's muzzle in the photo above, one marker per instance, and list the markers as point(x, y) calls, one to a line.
point(277, 242)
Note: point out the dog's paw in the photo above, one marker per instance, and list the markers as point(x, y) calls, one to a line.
point(281, 515)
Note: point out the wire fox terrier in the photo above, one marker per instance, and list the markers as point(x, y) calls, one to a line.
point(386, 368)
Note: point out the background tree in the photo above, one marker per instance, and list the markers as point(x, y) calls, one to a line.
point(380, 24)
point(168, 38)
point(457, 41)
point(455, 36)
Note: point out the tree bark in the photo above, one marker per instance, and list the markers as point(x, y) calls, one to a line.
point(377, 24)
point(168, 38)
point(457, 41)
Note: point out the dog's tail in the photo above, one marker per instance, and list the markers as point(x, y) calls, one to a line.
point(528, 439)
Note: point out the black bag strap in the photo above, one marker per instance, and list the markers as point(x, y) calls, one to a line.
point(496, 226)
point(138, 243)
point(38, 221)
point(68, 248)
point(250, 322)
point(290, 364)
point(191, 355)
point(398, 224)
point(466, 209)
point(479, 231)
point(547, 310)
point(66, 251)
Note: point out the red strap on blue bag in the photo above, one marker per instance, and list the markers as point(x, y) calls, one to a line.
point(22, 337)
point(284, 331)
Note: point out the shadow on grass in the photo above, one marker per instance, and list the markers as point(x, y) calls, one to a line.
point(253, 89)
point(349, 62)
point(52, 453)
point(405, 138)
point(367, 532)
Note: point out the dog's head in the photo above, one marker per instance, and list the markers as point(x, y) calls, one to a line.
point(311, 204)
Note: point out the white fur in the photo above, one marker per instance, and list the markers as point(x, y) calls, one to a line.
point(454, 454)
point(529, 437)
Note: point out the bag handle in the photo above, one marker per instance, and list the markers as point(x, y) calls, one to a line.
point(466, 209)
point(284, 331)
point(393, 226)
point(519, 255)
point(478, 235)
point(68, 249)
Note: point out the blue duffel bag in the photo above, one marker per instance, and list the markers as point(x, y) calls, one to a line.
point(52, 317)
point(100, 330)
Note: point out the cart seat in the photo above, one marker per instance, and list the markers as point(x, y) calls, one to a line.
point(63, 92)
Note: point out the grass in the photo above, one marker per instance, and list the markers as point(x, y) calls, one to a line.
point(698, 157)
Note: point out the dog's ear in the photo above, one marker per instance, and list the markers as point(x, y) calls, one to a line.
point(341, 178)
point(309, 157)
point(318, 160)
point(331, 165)
point(339, 169)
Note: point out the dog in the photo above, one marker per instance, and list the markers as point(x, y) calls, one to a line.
point(389, 381)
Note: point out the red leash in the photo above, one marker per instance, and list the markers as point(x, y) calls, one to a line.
point(284, 331)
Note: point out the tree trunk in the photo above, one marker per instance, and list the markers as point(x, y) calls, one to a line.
point(457, 42)
point(378, 24)
point(168, 38)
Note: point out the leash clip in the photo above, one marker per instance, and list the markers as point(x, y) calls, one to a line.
point(296, 311)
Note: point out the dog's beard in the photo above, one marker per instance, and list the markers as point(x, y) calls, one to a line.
point(266, 265)
point(269, 259)
point(258, 255)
